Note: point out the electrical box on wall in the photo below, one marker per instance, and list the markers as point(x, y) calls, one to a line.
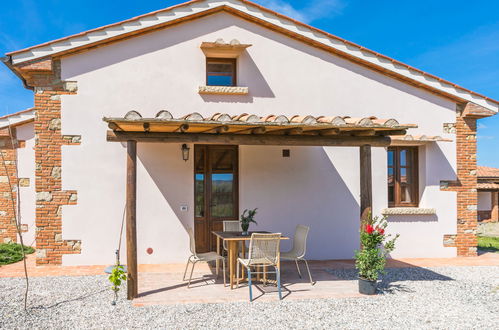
point(286, 153)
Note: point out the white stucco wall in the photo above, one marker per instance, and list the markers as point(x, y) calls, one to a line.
point(26, 169)
point(484, 201)
point(316, 186)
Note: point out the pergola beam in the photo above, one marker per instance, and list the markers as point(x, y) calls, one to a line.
point(247, 139)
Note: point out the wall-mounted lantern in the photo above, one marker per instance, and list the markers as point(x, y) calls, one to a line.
point(185, 152)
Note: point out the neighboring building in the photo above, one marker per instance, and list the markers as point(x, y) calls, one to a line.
point(17, 143)
point(313, 99)
point(488, 194)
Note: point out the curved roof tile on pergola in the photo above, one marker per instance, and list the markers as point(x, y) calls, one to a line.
point(261, 15)
point(224, 123)
point(415, 140)
point(487, 186)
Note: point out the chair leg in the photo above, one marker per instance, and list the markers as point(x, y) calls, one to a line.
point(186, 267)
point(237, 275)
point(298, 267)
point(249, 285)
point(308, 269)
point(223, 265)
point(278, 275)
point(190, 277)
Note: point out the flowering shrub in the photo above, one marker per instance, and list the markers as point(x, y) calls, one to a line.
point(371, 259)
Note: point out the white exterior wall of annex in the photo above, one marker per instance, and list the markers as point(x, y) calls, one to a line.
point(484, 201)
point(315, 186)
point(26, 169)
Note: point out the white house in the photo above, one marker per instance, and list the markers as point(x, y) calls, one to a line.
point(272, 113)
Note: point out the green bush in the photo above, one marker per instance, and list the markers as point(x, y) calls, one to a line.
point(488, 243)
point(11, 252)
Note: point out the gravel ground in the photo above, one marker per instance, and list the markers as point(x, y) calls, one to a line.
point(450, 298)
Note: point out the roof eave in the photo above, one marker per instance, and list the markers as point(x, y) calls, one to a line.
point(262, 15)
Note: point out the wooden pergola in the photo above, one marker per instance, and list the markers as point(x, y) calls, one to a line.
point(246, 129)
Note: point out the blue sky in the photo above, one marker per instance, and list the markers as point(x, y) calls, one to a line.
point(456, 40)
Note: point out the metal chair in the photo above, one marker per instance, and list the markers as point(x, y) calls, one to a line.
point(200, 257)
point(299, 249)
point(263, 251)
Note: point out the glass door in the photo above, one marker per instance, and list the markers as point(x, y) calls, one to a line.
point(215, 191)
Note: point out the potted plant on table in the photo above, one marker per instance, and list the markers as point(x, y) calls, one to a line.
point(370, 260)
point(246, 219)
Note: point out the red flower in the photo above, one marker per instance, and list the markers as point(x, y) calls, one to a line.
point(369, 229)
point(380, 230)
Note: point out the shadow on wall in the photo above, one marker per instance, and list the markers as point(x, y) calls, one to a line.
point(350, 66)
point(249, 75)
point(437, 166)
point(305, 189)
point(172, 177)
point(413, 218)
point(107, 56)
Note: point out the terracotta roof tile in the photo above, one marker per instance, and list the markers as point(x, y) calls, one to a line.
point(488, 172)
point(488, 186)
point(279, 119)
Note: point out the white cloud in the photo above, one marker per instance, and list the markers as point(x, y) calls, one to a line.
point(470, 61)
point(480, 125)
point(486, 137)
point(306, 11)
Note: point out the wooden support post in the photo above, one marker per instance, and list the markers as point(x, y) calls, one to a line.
point(366, 200)
point(131, 221)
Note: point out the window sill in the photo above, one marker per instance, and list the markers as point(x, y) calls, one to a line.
point(408, 211)
point(223, 90)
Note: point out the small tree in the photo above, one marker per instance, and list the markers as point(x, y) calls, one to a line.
point(117, 276)
point(376, 245)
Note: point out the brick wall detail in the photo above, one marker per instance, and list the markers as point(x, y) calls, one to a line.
point(465, 239)
point(8, 196)
point(50, 198)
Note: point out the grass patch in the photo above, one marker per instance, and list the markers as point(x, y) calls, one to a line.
point(11, 252)
point(488, 243)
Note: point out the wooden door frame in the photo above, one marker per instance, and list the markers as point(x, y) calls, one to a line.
point(207, 219)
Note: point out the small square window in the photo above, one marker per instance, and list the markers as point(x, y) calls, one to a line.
point(221, 72)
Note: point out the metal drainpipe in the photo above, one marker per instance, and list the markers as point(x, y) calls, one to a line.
point(7, 60)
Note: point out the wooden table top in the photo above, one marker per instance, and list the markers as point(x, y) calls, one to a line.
point(238, 235)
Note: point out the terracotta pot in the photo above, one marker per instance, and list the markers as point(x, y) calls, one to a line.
point(367, 287)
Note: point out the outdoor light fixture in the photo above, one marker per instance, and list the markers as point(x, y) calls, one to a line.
point(185, 152)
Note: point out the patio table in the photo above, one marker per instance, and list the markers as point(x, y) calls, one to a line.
point(233, 239)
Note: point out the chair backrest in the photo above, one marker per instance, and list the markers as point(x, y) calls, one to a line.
point(300, 241)
point(230, 225)
point(192, 241)
point(264, 248)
